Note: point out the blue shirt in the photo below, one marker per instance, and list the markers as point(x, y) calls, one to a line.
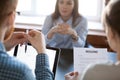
point(66, 41)
point(12, 69)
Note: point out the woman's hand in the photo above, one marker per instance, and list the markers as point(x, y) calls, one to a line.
point(63, 29)
point(71, 76)
point(52, 32)
point(16, 38)
point(36, 38)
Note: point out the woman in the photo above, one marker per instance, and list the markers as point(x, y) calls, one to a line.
point(65, 28)
point(109, 70)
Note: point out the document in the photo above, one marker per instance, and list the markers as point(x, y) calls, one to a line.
point(85, 56)
point(29, 58)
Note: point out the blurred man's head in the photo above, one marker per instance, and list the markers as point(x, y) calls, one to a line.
point(7, 16)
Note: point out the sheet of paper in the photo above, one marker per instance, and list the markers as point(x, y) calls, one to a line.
point(85, 56)
point(29, 57)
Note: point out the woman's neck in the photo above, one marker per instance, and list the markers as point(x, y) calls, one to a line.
point(65, 18)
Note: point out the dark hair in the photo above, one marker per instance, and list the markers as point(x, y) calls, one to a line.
point(6, 7)
point(75, 12)
point(106, 2)
point(111, 16)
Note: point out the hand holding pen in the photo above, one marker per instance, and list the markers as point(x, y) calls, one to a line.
point(36, 39)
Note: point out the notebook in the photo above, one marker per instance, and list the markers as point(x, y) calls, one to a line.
point(30, 56)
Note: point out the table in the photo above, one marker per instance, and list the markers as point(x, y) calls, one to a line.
point(65, 63)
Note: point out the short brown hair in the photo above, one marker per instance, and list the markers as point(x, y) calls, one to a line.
point(6, 7)
point(111, 16)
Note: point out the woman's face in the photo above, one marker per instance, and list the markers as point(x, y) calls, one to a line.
point(66, 7)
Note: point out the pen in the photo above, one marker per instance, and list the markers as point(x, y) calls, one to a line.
point(15, 51)
point(26, 43)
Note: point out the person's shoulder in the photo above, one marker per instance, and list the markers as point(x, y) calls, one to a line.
point(13, 63)
point(81, 18)
point(49, 16)
point(100, 66)
point(91, 69)
point(101, 71)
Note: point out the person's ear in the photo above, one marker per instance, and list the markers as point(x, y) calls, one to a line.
point(11, 19)
point(111, 33)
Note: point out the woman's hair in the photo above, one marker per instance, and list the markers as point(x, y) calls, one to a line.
point(106, 2)
point(75, 12)
point(6, 7)
point(111, 16)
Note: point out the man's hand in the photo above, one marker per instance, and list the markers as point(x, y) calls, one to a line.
point(16, 38)
point(36, 38)
point(71, 76)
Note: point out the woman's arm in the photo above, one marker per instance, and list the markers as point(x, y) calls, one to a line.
point(46, 30)
point(81, 30)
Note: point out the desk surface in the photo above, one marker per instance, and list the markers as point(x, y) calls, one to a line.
point(65, 64)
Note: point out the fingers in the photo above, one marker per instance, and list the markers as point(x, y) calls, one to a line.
point(34, 34)
point(76, 74)
point(36, 38)
point(60, 28)
point(16, 38)
point(63, 26)
point(19, 38)
point(71, 76)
